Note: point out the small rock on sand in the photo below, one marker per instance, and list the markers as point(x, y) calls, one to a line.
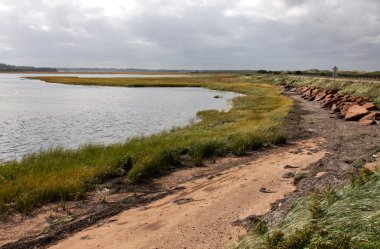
point(320, 174)
point(178, 188)
point(290, 167)
point(183, 201)
point(296, 151)
point(247, 222)
point(288, 175)
point(266, 191)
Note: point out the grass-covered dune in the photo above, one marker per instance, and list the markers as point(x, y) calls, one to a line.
point(328, 219)
point(364, 88)
point(62, 174)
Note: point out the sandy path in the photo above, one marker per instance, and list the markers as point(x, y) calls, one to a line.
point(206, 221)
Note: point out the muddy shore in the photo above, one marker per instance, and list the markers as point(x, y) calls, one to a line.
point(333, 146)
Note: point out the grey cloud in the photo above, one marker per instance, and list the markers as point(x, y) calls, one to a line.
point(193, 34)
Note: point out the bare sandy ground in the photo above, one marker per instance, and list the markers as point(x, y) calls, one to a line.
point(209, 206)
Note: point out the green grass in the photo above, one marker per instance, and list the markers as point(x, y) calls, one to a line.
point(363, 88)
point(348, 218)
point(63, 174)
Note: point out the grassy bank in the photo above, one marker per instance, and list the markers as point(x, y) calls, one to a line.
point(365, 88)
point(62, 174)
point(348, 218)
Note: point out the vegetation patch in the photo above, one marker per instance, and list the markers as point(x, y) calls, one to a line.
point(348, 218)
point(358, 164)
point(63, 174)
point(298, 177)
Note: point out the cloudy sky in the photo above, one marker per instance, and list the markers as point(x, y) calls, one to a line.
point(191, 34)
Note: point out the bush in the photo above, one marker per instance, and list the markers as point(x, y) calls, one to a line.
point(274, 239)
point(315, 206)
point(298, 177)
point(261, 227)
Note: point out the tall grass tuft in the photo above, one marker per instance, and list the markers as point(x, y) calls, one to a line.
point(348, 218)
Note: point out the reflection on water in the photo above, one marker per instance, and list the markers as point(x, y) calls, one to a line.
point(36, 115)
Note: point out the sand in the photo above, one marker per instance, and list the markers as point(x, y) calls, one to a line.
point(210, 205)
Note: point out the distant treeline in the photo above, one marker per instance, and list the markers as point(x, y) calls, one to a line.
point(12, 68)
point(326, 73)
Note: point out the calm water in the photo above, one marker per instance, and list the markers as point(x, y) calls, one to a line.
point(36, 115)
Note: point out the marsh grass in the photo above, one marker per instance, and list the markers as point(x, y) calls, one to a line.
point(348, 218)
point(62, 174)
point(261, 227)
point(358, 164)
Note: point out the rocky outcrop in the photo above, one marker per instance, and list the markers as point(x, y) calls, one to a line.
point(374, 115)
point(367, 122)
point(369, 106)
point(355, 112)
point(347, 107)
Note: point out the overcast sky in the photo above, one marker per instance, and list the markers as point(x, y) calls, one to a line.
point(191, 34)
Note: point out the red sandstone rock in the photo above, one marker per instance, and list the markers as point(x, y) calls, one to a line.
point(332, 92)
point(315, 92)
point(342, 102)
point(355, 112)
point(328, 104)
point(350, 98)
point(371, 116)
point(361, 101)
point(345, 106)
point(335, 108)
point(338, 99)
point(306, 94)
point(369, 106)
point(328, 97)
point(321, 95)
point(352, 108)
point(367, 122)
point(304, 89)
